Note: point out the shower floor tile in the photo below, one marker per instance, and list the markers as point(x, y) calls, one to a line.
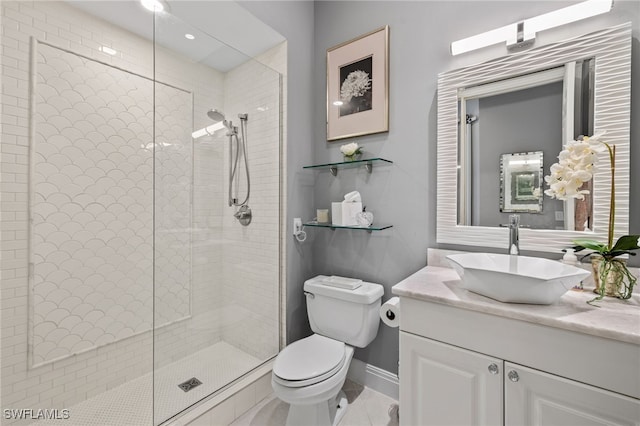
point(131, 404)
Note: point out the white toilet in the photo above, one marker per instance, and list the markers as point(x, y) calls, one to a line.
point(309, 373)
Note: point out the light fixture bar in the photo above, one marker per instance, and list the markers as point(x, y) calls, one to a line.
point(524, 32)
point(483, 40)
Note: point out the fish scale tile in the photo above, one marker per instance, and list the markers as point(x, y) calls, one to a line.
point(92, 221)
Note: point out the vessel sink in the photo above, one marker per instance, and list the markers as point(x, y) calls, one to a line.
point(516, 279)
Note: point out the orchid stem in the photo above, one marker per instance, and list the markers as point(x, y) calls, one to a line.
point(612, 201)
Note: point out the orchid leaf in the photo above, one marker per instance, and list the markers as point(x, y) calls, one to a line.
point(591, 244)
point(627, 242)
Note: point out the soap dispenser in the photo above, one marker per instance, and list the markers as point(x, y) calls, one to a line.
point(570, 257)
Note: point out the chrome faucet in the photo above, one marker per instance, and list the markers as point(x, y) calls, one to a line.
point(514, 239)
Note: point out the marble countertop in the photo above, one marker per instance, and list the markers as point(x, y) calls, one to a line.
point(614, 319)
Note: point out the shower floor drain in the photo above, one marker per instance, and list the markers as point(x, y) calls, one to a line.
point(189, 384)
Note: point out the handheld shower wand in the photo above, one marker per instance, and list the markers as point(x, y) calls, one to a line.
point(243, 214)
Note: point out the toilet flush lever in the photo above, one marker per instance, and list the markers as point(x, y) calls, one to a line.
point(310, 295)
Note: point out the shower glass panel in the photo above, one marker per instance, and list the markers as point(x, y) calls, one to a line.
point(216, 282)
point(127, 273)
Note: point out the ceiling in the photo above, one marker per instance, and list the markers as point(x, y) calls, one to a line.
point(216, 25)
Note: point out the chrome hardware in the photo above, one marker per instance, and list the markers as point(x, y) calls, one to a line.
point(514, 239)
point(493, 368)
point(309, 295)
point(243, 215)
point(513, 376)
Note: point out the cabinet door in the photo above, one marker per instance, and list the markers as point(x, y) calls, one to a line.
point(444, 385)
point(534, 398)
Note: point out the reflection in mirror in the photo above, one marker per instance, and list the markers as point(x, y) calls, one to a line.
point(520, 180)
point(539, 111)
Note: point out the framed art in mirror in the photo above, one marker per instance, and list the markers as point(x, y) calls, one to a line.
point(358, 86)
point(520, 182)
point(608, 53)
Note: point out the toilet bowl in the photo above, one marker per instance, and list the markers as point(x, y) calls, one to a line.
point(309, 373)
point(316, 398)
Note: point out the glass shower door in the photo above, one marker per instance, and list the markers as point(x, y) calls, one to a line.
point(216, 281)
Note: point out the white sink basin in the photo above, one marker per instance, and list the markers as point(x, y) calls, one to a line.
point(516, 279)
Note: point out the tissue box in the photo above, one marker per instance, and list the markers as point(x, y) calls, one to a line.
point(344, 214)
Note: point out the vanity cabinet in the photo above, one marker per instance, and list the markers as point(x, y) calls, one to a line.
point(469, 360)
point(442, 384)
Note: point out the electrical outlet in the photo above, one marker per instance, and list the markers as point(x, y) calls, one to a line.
point(297, 225)
point(559, 215)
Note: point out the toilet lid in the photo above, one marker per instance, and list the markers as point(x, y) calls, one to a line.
point(308, 358)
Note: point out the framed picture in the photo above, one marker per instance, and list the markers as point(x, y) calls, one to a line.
point(521, 182)
point(358, 86)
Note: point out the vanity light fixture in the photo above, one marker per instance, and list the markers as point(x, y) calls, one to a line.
point(189, 36)
point(520, 34)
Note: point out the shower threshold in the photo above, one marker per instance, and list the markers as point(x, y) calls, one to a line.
point(131, 403)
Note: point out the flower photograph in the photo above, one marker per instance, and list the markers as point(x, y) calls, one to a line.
point(356, 88)
point(354, 108)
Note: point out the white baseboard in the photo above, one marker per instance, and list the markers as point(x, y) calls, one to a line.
point(374, 378)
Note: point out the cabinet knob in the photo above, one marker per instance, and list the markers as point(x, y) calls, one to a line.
point(493, 368)
point(513, 376)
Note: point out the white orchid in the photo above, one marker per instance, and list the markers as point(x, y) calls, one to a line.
point(350, 149)
point(575, 167)
point(576, 164)
point(357, 83)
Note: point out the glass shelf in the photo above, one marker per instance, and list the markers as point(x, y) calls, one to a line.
point(364, 228)
point(366, 162)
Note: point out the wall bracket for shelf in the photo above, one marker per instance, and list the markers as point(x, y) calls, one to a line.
point(369, 166)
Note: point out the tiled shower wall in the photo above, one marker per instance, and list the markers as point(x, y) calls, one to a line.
point(250, 270)
point(92, 194)
point(64, 382)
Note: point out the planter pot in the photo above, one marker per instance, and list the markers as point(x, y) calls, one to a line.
point(613, 275)
point(353, 157)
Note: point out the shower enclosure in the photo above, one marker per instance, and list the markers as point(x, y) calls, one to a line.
point(134, 292)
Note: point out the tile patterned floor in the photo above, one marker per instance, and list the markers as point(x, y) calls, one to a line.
point(366, 408)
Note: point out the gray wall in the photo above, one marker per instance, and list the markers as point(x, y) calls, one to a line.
point(404, 193)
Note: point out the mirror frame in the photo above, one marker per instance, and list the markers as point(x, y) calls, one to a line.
point(611, 48)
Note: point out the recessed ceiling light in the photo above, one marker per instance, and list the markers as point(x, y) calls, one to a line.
point(152, 5)
point(107, 50)
point(338, 103)
point(189, 36)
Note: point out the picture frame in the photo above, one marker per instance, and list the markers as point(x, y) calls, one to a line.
point(521, 182)
point(358, 86)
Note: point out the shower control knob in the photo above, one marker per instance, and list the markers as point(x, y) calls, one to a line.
point(493, 368)
point(513, 376)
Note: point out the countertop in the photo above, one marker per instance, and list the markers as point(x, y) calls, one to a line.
point(613, 319)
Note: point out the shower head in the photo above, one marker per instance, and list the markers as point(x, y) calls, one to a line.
point(219, 123)
point(215, 115)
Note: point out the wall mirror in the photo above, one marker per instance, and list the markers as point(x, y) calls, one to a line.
point(528, 102)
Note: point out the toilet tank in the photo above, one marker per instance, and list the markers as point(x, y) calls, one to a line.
point(350, 316)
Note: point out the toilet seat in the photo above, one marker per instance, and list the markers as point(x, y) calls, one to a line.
point(309, 361)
